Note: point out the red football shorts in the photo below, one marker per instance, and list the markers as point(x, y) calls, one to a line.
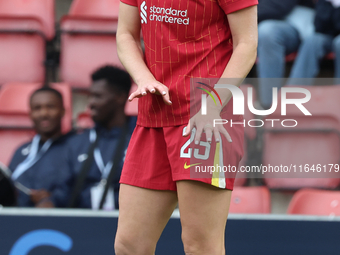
point(158, 157)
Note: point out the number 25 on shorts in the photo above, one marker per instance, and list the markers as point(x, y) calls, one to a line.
point(186, 151)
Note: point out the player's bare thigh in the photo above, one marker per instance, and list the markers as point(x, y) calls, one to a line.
point(204, 211)
point(143, 214)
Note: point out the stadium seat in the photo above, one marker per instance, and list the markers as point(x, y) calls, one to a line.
point(314, 141)
point(39, 10)
point(89, 25)
point(90, 8)
point(315, 202)
point(14, 105)
point(84, 120)
point(250, 200)
point(25, 25)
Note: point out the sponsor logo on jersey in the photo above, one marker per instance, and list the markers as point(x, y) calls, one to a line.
point(143, 13)
point(161, 14)
point(188, 166)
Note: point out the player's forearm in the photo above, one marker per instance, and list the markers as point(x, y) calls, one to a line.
point(241, 62)
point(131, 55)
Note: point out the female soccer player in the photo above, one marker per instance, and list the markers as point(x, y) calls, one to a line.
point(183, 40)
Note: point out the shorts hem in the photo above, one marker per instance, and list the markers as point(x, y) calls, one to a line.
point(204, 180)
point(147, 185)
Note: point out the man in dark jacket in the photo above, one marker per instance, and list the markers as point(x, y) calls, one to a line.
point(108, 94)
point(37, 164)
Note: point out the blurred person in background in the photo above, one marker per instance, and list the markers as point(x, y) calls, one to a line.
point(283, 26)
point(108, 94)
point(7, 190)
point(318, 45)
point(37, 165)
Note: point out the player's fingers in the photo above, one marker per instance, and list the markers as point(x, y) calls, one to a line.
point(166, 98)
point(224, 132)
point(143, 91)
point(198, 135)
point(164, 91)
point(187, 129)
point(135, 94)
point(151, 89)
point(217, 135)
point(208, 133)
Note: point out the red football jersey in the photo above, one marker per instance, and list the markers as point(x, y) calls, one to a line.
point(183, 40)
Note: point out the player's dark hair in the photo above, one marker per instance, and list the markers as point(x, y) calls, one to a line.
point(115, 77)
point(48, 89)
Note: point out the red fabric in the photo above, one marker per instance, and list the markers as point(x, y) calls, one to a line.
point(154, 158)
point(130, 2)
point(176, 52)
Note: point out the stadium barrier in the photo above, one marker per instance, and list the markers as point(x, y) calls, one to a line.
point(86, 232)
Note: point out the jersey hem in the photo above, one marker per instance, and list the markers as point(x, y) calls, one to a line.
point(129, 3)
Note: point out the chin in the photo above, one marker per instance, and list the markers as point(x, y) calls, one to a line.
point(48, 131)
point(96, 119)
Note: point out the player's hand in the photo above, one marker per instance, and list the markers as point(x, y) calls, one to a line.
point(153, 87)
point(205, 123)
